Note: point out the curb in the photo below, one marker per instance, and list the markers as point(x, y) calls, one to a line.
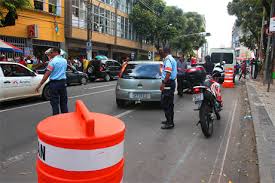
point(265, 136)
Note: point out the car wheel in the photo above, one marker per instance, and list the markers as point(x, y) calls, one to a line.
point(121, 103)
point(46, 93)
point(107, 77)
point(84, 81)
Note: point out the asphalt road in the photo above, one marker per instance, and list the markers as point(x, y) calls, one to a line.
point(152, 155)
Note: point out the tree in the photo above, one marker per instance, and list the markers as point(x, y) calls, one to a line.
point(249, 18)
point(8, 11)
point(185, 41)
point(162, 25)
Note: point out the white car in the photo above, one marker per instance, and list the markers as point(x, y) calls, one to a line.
point(17, 82)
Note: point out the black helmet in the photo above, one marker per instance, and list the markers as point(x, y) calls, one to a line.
point(207, 58)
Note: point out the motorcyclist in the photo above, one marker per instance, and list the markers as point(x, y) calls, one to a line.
point(209, 66)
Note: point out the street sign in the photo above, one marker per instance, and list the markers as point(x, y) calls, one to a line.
point(89, 45)
point(133, 55)
point(272, 24)
point(149, 55)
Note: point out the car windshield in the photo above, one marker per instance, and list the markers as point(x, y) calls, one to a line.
point(218, 57)
point(142, 71)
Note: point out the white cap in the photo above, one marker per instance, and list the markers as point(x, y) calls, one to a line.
point(48, 51)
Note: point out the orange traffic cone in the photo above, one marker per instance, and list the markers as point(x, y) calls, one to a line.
point(228, 78)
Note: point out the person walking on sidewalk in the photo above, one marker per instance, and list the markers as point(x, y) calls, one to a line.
point(56, 71)
point(167, 87)
point(181, 68)
point(243, 70)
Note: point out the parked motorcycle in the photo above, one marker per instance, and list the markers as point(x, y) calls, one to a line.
point(207, 95)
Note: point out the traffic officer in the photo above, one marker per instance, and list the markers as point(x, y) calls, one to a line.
point(181, 68)
point(169, 74)
point(56, 71)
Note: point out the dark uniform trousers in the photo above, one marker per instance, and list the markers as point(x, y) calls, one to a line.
point(58, 96)
point(180, 79)
point(167, 100)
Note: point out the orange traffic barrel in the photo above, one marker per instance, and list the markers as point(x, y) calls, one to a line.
point(228, 78)
point(80, 147)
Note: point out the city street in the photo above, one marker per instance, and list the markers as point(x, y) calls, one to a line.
point(152, 155)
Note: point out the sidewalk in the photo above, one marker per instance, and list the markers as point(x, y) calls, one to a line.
point(262, 105)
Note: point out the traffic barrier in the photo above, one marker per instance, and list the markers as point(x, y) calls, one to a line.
point(228, 78)
point(80, 147)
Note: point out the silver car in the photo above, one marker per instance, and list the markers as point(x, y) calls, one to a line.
point(139, 81)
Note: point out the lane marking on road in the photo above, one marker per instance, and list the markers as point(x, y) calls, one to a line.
point(87, 94)
point(228, 140)
point(77, 96)
point(101, 86)
point(124, 114)
point(182, 159)
point(220, 147)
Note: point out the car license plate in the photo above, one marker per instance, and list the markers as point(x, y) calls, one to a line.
point(140, 96)
point(197, 97)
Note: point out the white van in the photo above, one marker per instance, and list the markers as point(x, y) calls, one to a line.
point(223, 54)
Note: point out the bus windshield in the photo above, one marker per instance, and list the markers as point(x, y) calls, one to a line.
point(218, 57)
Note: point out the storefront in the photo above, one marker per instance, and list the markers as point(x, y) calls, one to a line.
point(31, 47)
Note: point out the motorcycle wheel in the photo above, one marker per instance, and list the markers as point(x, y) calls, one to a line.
point(206, 120)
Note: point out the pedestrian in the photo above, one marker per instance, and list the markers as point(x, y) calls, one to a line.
point(169, 74)
point(243, 70)
point(181, 69)
point(238, 68)
point(56, 71)
point(256, 68)
point(2, 58)
point(22, 61)
point(209, 65)
point(125, 61)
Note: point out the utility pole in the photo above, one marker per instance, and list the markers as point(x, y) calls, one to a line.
point(271, 65)
point(89, 45)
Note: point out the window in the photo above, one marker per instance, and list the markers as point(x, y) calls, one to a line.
point(117, 64)
point(52, 6)
point(218, 57)
point(12, 70)
point(142, 71)
point(79, 17)
point(39, 4)
point(109, 63)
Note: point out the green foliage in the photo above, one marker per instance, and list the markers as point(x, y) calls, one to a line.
point(11, 7)
point(194, 23)
point(249, 18)
point(163, 25)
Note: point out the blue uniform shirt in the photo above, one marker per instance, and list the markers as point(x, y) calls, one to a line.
point(58, 67)
point(169, 65)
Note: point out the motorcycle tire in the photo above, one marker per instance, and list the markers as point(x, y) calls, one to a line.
point(205, 119)
point(218, 115)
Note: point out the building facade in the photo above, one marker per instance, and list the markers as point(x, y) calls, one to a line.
point(241, 52)
point(112, 32)
point(37, 28)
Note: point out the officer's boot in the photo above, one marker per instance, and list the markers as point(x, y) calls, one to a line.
point(169, 124)
point(167, 119)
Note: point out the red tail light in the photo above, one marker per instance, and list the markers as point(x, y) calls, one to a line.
point(197, 90)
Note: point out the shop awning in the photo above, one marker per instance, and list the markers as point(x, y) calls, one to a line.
point(7, 47)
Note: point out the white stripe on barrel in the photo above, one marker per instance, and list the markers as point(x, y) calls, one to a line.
point(80, 160)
